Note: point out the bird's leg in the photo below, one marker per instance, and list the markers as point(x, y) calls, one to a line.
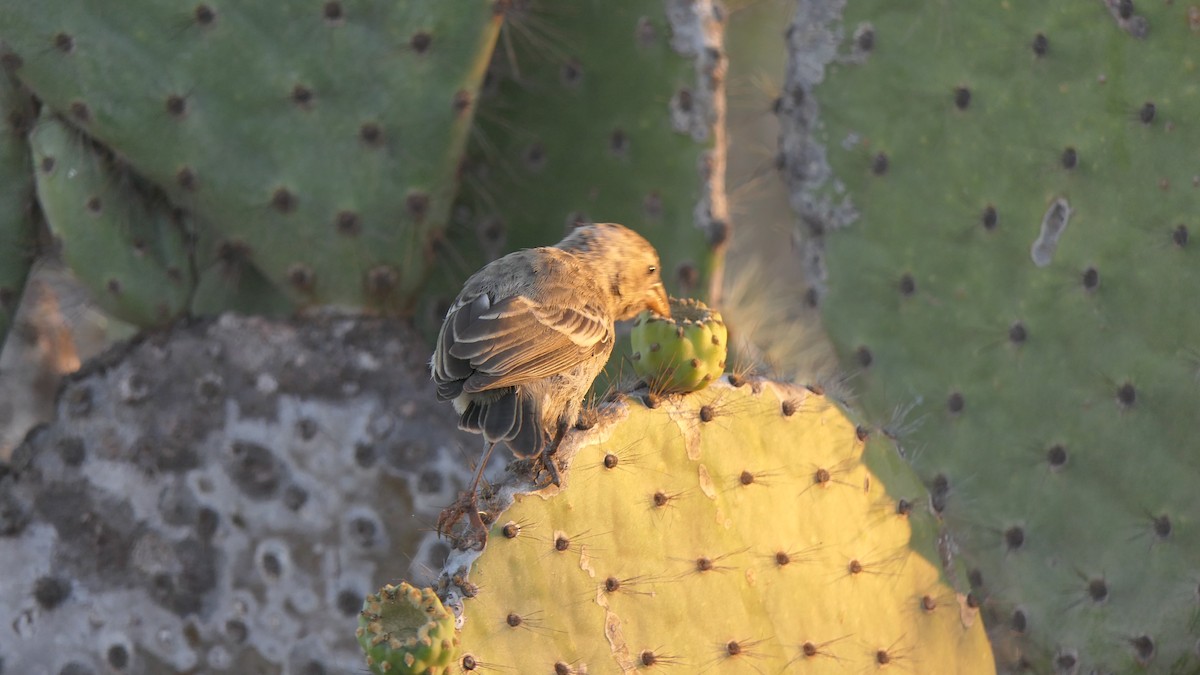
point(547, 455)
point(477, 527)
point(468, 504)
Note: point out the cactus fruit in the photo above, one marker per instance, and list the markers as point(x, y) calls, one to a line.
point(597, 111)
point(320, 139)
point(683, 353)
point(734, 529)
point(1021, 282)
point(16, 198)
point(115, 235)
point(407, 631)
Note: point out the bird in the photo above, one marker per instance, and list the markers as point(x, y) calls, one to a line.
point(526, 337)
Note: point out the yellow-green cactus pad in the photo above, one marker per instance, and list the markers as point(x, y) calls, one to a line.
point(733, 530)
point(406, 631)
point(683, 353)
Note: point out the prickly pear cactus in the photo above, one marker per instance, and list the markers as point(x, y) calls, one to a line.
point(683, 353)
point(115, 235)
point(597, 111)
point(407, 631)
point(1020, 281)
point(16, 198)
point(321, 139)
point(729, 530)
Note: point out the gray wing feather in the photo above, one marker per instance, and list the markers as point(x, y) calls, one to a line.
point(485, 345)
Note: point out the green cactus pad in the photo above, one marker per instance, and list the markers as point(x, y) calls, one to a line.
point(120, 240)
point(1022, 283)
point(406, 631)
point(16, 198)
point(730, 530)
point(228, 281)
point(683, 353)
point(321, 137)
point(596, 111)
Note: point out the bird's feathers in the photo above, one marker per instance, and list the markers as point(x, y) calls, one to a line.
point(522, 341)
point(500, 418)
point(491, 343)
point(529, 332)
point(510, 418)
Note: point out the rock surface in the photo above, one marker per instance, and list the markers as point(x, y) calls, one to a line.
point(219, 497)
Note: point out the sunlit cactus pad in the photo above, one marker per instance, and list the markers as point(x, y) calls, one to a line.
point(730, 530)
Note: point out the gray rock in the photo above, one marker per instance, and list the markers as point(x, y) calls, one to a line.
point(219, 498)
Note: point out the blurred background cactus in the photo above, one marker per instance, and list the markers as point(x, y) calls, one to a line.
point(198, 159)
point(274, 131)
point(598, 110)
point(997, 202)
point(17, 233)
point(989, 204)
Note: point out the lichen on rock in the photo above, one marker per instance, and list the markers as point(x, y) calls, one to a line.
point(220, 497)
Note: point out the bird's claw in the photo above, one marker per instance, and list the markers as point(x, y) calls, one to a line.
point(546, 458)
point(551, 468)
point(475, 536)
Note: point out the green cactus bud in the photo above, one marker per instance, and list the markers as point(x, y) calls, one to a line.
point(406, 631)
point(683, 353)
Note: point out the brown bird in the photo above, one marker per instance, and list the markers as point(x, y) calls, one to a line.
point(528, 335)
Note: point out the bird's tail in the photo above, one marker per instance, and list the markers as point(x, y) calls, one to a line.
point(509, 418)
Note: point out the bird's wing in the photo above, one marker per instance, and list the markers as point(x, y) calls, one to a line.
point(490, 345)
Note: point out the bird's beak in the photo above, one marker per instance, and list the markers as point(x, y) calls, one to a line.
point(658, 301)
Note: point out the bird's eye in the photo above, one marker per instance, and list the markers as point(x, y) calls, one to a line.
point(652, 269)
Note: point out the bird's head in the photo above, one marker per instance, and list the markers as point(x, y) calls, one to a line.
point(629, 264)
